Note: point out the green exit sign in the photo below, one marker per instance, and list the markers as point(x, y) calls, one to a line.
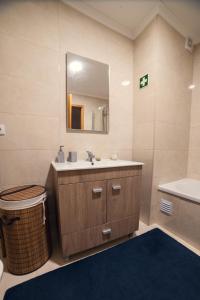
point(144, 81)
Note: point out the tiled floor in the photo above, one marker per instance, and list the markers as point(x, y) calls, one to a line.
point(56, 261)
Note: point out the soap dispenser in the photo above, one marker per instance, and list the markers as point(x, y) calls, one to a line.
point(61, 155)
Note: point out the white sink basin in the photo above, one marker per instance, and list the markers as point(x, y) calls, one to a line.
point(85, 165)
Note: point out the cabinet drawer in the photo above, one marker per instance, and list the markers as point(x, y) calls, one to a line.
point(98, 174)
point(92, 237)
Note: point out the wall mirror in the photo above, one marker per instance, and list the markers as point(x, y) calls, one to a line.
point(87, 95)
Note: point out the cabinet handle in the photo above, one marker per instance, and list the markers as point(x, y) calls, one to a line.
point(97, 190)
point(106, 231)
point(116, 187)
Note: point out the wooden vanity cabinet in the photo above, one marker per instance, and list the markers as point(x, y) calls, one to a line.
point(96, 206)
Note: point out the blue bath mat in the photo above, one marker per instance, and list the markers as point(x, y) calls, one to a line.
point(152, 266)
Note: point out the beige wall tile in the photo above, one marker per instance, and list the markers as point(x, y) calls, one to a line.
point(36, 21)
point(117, 91)
point(145, 46)
point(25, 167)
point(145, 52)
point(195, 107)
point(145, 202)
point(173, 98)
point(175, 87)
point(172, 48)
point(196, 65)
point(144, 109)
point(173, 112)
point(25, 96)
point(21, 58)
point(166, 105)
point(144, 134)
point(172, 120)
point(171, 137)
point(145, 156)
point(29, 132)
point(194, 164)
point(170, 165)
point(189, 222)
point(75, 29)
point(195, 137)
point(194, 145)
point(101, 145)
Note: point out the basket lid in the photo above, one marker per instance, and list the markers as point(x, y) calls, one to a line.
point(22, 193)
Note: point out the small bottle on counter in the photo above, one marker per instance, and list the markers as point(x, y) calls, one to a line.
point(61, 155)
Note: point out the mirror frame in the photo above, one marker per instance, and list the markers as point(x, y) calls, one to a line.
point(71, 130)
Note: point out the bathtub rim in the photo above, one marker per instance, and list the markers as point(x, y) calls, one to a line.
point(170, 188)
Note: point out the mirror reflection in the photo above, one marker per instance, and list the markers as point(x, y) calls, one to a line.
point(87, 94)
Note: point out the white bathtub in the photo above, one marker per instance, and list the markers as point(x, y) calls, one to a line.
point(185, 188)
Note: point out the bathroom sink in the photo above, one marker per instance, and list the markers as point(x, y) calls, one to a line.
point(85, 165)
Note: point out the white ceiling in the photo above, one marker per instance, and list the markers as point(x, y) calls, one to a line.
point(130, 17)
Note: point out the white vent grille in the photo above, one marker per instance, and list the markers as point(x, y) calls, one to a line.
point(166, 207)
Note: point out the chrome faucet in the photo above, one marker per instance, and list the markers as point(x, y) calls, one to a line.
point(90, 157)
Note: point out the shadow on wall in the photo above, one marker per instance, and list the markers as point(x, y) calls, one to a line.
point(51, 208)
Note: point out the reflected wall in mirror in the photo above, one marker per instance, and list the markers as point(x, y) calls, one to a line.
point(87, 95)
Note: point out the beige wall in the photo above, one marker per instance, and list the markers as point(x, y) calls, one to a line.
point(194, 145)
point(172, 116)
point(173, 106)
point(164, 128)
point(162, 111)
point(145, 61)
point(35, 36)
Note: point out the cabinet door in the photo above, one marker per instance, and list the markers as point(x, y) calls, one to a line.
point(81, 206)
point(123, 200)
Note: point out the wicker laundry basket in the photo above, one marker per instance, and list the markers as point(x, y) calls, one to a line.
point(24, 233)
